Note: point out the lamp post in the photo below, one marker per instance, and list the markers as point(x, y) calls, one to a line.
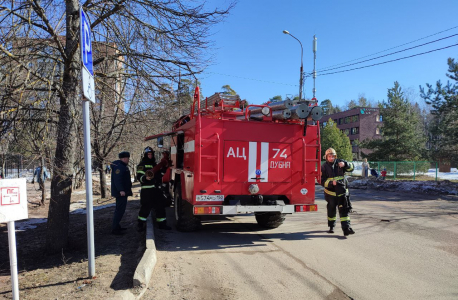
point(302, 54)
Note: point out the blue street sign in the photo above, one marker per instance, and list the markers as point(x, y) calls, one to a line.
point(258, 172)
point(87, 70)
point(86, 48)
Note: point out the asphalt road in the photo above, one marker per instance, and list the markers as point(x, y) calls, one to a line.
point(405, 247)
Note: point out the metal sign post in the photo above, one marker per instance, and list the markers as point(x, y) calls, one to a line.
point(13, 260)
point(13, 206)
point(87, 74)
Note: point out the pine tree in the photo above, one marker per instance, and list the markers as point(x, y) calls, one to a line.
point(332, 137)
point(362, 101)
point(227, 90)
point(402, 137)
point(326, 106)
point(277, 98)
point(352, 104)
point(345, 147)
point(444, 126)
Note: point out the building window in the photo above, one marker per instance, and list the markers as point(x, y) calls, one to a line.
point(377, 130)
point(347, 120)
point(340, 121)
point(347, 131)
point(355, 130)
point(355, 118)
point(378, 118)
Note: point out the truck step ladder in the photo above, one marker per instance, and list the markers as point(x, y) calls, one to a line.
point(210, 155)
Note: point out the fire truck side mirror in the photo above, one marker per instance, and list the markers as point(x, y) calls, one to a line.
point(160, 142)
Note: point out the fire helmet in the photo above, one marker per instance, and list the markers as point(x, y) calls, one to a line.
point(148, 149)
point(330, 151)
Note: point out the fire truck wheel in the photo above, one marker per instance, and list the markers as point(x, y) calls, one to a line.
point(270, 219)
point(185, 219)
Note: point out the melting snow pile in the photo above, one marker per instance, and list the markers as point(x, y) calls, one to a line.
point(443, 187)
point(75, 208)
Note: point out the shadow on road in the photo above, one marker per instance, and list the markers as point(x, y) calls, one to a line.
point(226, 233)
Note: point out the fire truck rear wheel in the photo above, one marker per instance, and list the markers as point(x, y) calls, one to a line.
point(270, 219)
point(186, 221)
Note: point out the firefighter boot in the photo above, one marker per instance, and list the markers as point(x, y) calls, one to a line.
point(331, 229)
point(141, 226)
point(163, 225)
point(348, 231)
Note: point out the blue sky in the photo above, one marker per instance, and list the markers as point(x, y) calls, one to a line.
point(258, 61)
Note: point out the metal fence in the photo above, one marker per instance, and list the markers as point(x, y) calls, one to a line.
point(400, 169)
point(16, 166)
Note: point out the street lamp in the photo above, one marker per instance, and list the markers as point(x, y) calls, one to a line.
point(302, 54)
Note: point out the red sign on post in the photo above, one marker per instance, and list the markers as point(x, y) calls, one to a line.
point(10, 196)
point(13, 200)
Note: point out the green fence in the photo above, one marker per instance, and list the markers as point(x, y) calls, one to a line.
point(400, 169)
point(404, 169)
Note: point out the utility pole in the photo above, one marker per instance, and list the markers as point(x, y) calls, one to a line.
point(301, 81)
point(179, 94)
point(314, 64)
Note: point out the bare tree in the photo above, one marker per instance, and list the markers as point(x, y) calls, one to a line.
point(152, 41)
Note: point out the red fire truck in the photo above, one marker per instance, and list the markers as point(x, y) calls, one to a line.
point(228, 159)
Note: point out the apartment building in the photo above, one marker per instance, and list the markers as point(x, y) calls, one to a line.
point(358, 124)
point(42, 57)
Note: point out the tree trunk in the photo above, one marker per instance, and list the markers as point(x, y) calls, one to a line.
point(61, 183)
point(103, 185)
point(42, 182)
point(103, 178)
point(3, 166)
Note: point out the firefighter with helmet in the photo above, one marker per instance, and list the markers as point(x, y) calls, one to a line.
point(335, 190)
point(151, 194)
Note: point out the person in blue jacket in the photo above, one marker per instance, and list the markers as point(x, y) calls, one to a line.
point(41, 178)
point(121, 188)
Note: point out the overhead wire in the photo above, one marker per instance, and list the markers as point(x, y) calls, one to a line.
point(385, 62)
point(250, 78)
point(363, 67)
point(389, 48)
point(360, 62)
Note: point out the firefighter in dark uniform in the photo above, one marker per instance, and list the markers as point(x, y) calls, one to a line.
point(151, 194)
point(335, 190)
point(121, 188)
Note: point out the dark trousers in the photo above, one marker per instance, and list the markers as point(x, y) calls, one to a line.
point(333, 204)
point(152, 199)
point(121, 203)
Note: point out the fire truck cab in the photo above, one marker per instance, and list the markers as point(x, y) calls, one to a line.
point(228, 159)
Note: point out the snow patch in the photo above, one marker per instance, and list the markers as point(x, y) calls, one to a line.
point(443, 187)
point(75, 208)
point(83, 210)
point(452, 175)
point(28, 224)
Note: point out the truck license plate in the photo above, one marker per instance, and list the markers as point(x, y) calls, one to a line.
point(209, 197)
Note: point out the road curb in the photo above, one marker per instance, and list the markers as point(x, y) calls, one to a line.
point(145, 267)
